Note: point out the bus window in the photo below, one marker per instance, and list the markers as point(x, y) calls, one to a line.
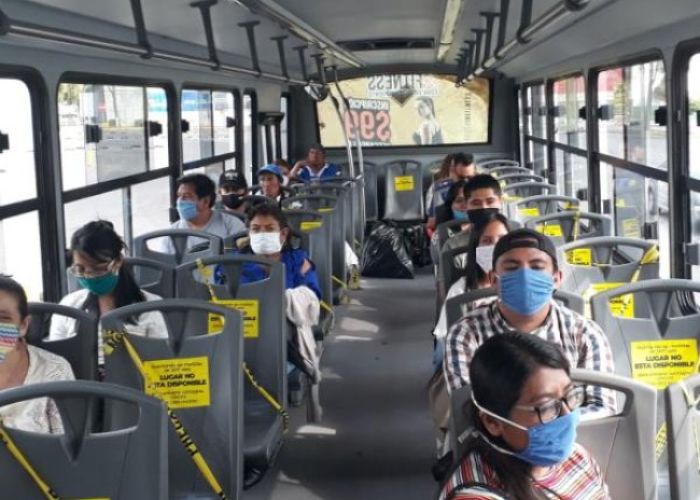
point(572, 174)
point(694, 117)
point(538, 159)
point(196, 111)
point(695, 226)
point(158, 128)
point(150, 202)
point(224, 114)
point(538, 115)
point(108, 206)
point(248, 137)
point(284, 124)
point(20, 252)
point(17, 172)
point(569, 96)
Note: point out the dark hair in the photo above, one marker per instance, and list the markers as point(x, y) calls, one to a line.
point(482, 181)
point(444, 171)
point(497, 390)
point(473, 273)
point(463, 159)
point(11, 287)
point(428, 101)
point(203, 186)
point(318, 147)
point(455, 190)
point(268, 209)
point(99, 241)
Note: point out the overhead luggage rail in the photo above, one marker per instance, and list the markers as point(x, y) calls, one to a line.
point(569, 226)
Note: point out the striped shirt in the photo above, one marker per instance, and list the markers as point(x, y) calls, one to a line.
point(583, 342)
point(576, 478)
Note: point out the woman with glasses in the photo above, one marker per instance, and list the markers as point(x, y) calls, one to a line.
point(525, 416)
point(106, 283)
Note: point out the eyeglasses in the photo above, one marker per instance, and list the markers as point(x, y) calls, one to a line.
point(552, 409)
point(81, 272)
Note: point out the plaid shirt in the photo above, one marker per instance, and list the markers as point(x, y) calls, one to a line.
point(582, 341)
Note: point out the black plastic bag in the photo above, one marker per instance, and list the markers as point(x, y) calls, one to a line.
point(384, 253)
point(418, 245)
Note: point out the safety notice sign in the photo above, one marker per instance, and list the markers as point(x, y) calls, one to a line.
point(249, 309)
point(663, 362)
point(404, 183)
point(180, 382)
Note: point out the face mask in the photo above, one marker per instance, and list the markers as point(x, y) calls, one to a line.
point(100, 285)
point(547, 444)
point(484, 257)
point(481, 216)
point(9, 336)
point(266, 243)
point(460, 215)
point(526, 291)
point(232, 201)
point(187, 209)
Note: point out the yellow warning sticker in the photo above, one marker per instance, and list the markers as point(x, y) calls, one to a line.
point(325, 209)
point(180, 382)
point(621, 306)
point(404, 183)
point(550, 229)
point(529, 211)
point(579, 257)
point(511, 197)
point(309, 225)
point(631, 229)
point(249, 309)
point(663, 362)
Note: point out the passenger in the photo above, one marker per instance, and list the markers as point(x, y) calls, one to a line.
point(271, 181)
point(314, 167)
point(441, 175)
point(107, 284)
point(525, 273)
point(461, 169)
point(23, 364)
point(233, 188)
point(455, 206)
point(196, 195)
point(525, 421)
point(285, 167)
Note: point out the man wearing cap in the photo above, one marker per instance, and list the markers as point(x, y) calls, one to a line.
point(314, 166)
point(525, 274)
point(232, 189)
point(271, 180)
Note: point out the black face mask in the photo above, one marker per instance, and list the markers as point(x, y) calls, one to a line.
point(481, 216)
point(231, 200)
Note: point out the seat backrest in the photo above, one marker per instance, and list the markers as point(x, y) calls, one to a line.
point(79, 350)
point(543, 204)
point(446, 230)
point(344, 191)
point(129, 463)
point(611, 260)
point(457, 306)
point(199, 375)
point(182, 240)
point(263, 306)
point(461, 419)
point(403, 200)
point(489, 165)
point(651, 322)
point(453, 262)
point(514, 178)
point(623, 444)
point(682, 419)
point(520, 190)
point(572, 225)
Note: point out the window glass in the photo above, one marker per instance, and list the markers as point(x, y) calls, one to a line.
point(521, 124)
point(284, 124)
point(538, 113)
point(538, 159)
point(572, 176)
point(17, 165)
point(107, 206)
point(694, 118)
point(408, 110)
point(213, 171)
point(263, 145)
point(150, 202)
point(196, 112)
point(158, 128)
point(224, 123)
point(695, 226)
point(569, 97)
point(273, 139)
point(20, 252)
point(631, 98)
point(248, 137)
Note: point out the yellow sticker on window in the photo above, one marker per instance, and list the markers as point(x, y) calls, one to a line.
point(180, 382)
point(250, 310)
point(550, 229)
point(663, 362)
point(579, 257)
point(309, 225)
point(631, 229)
point(621, 306)
point(529, 211)
point(404, 183)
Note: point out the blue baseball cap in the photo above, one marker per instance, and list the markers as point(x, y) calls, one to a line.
point(271, 169)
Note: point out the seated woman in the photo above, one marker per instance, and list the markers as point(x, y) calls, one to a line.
point(98, 264)
point(525, 421)
point(23, 364)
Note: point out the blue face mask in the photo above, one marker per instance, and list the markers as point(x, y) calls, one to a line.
point(460, 215)
point(100, 285)
point(547, 444)
point(187, 209)
point(526, 291)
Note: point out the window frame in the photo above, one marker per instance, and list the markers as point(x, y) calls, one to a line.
point(254, 131)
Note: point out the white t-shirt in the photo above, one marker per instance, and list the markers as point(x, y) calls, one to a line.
point(220, 224)
point(457, 288)
point(39, 415)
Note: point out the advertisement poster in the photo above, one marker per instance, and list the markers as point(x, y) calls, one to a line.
point(408, 110)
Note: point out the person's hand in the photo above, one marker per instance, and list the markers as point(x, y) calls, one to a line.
point(297, 166)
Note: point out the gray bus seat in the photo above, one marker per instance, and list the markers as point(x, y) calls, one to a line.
point(490, 164)
point(520, 190)
point(211, 412)
point(517, 177)
point(344, 191)
point(542, 204)
point(611, 260)
point(683, 453)
point(265, 346)
point(124, 463)
point(500, 171)
point(623, 444)
point(572, 225)
point(79, 350)
point(228, 213)
point(403, 188)
point(453, 263)
point(180, 239)
point(369, 184)
point(457, 306)
point(446, 230)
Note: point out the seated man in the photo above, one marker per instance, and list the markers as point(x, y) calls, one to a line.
point(314, 166)
point(525, 274)
point(196, 194)
point(461, 169)
point(233, 188)
point(271, 181)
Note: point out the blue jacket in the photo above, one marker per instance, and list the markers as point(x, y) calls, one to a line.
point(328, 171)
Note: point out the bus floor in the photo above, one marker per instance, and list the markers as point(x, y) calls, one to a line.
point(376, 439)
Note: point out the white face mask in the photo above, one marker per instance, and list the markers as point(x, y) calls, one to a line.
point(484, 257)
point(266, 243)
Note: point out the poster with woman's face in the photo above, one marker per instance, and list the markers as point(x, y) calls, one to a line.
point(408, 110)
